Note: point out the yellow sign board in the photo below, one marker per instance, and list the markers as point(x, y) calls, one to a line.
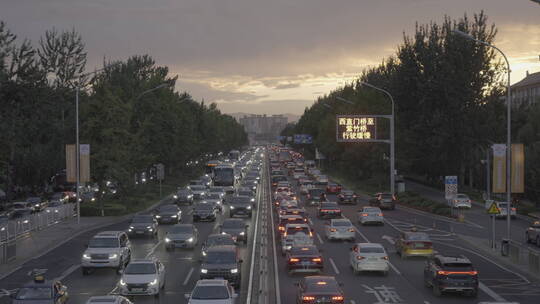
point(355, 128)
point(493, 209)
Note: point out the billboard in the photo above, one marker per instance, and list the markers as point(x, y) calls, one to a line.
point(303, 139)
point(355, 128)
point(71, 163)
point(499, 168)
point(517, 168)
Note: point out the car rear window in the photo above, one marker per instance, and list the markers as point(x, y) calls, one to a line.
point(233, 224)
point(341, 223)
point(295, 230)
point(458, 265)
point(369, 249)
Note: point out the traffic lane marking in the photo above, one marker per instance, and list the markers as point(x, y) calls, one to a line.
point(188, 276)
point(68, 271)
point(319, 238)
point(490, 292)
point(336, 270)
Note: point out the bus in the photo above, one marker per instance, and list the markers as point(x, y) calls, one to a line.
point(224, 176)
point(234, 155)
point(208, 169)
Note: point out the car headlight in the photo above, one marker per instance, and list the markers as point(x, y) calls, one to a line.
point(37, 205)
point(174, 216)
point(288, 247)
point(48, 211)
point(131, 227)
point(190, 240)
point(113, 256)
point(175, 196)
point(242, 233)
point(202, 193)
point(204, 270)
point(122, 282)
point(234, 270)
point(93, 199)
point(157, 216)
point(148, 227)
point(232, 207)
point(167, 240)
point(252, 199)
point(190, 196)
point(204, 253)
point(86, 256)
point(223, 232)
point(248, 207)
point(154, 282)
point(56, 211)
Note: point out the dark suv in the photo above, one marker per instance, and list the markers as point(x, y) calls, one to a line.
point(240, 205)
point(451, 274)
point(222, 262)
point(142, 225)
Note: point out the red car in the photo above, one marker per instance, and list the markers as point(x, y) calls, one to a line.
point(333, 188)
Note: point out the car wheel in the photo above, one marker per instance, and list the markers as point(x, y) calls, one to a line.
point(473, 293)
point(436, 290)
point(157, 294)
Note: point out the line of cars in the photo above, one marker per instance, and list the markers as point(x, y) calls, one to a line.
point(442, 273)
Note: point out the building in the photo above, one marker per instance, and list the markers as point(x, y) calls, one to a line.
point(527, 91)
point(263, 128)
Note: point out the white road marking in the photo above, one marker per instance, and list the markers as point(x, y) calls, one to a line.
point(153, 249)
point(426, 302)
point(389, 239)
point(190, 212)
point(394, 268)
point(310, 221)
point(188, 276)
point(491, 293)
point(353, 302)
point(276, 277)
point(254, 243)
point(114, 290)
point(336, 270)
point(68, 271)
point(361, 234)
point(320, 238)
point(438, 217)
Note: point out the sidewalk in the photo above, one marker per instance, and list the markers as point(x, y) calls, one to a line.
point(40, 242)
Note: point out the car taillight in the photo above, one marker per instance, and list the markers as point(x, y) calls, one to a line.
point(365, 214)
point(380, 214)
point(351, 229)
point(294, 260)
point(513, 209)
point(359, 257)
point(308, 298)
point(281, 228)
point(384, 258)
point(308, 196)
point(354, 196)
point(333, 230)
point(317, 260)
point(337, 298)
point(442, 272)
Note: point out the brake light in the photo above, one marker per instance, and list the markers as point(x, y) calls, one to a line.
point(308, 298)
point(333, 230)
point(351, 229)
point(354, 195)
point(359, 257)
point(442, 272)
point(365, 214)
point(318, 260)
point(384, 258)
point(337, 298)
point(394, 197)
point(380, 214)
point(294, 260)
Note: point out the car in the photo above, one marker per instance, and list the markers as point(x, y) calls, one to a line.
point(461, 201)
point(142, 225)
point(217, 190)
point(37, 204)
point(370, 215)
point(54, 207)
point(183, 196)
point(199, 191)
point(347, 196)
point(246, 192)
point(291, 211)
point(169, 214)
point(240, 205)
point(203, 211)
point(212, 292)
point(41, 291)
point(411, 243)
point(333, 188)
point(305, 185)
point(215, 199)
point(60, 196)
point(278, 178)
point(181, 236)
point(340, 229)
point(328, 210)
point(206, 180)
point(297, 173)
point(142, 277)
point(236, 228)
point(216, 240)
point(503, 210)
point(304, 259)
point(23, 206)
point(289, 219)
point(251, 184)
point(319, 289)
point(222, 262)
point(315, 196)
point(384, 201)
point(451, 274)
point(107, 249)
point(111, 299)
point(532, 235)
point(369, 257)
point(296, 235)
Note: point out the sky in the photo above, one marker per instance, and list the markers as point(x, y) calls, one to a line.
point(266, 56)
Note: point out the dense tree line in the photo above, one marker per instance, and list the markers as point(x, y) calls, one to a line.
point(447, 93)
point(128, 125)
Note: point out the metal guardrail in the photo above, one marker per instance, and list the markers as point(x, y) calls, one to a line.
point(14, 229)
point(523, 255)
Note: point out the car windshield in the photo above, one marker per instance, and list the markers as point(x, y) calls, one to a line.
point(233, 224)
point(142, 219)
point(140, 268)
point(183, 192)
point(100, 242)
point(221, 257)
point(203, 206)
point(213, 196)
point(341, 223)
point(458, 265)
point(316, 191)
point(419, 236)
point(370, 249)
point(386, 195)
point(215, 241)
point(210, 293)
point(295, 230)
point(181, 229)
point(245, 193)
point(240, 200)
point(34, 293)
point(462, 196)
point(216, 190)
point(372, 209)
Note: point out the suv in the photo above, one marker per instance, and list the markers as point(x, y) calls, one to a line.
point(384, 201)
point(240, 205)
point(212, 291)
point(453, 274)
point(203, 211)
point(222, 262)
point(108, 249)
point(142, 277)
point(236, 228)
point(143, 225)
point(183, 196)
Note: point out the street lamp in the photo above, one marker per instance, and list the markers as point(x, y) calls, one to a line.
point(392, 135)
point(508, 126)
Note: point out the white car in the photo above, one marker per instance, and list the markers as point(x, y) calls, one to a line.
point(369, 257)
point(107, 249)
point(212, 292)
point(461, 201)
point(503, 210)
point(108, 300)
point(340, 229)
point(142, 277)
point(296, 235)
point(370, 215)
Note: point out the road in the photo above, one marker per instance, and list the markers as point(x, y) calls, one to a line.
point(404, 284)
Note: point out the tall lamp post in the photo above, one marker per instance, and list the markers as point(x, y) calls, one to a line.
point(508, 129)
point(392, 133)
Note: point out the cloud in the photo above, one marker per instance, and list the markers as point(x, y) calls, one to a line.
point(287, 86)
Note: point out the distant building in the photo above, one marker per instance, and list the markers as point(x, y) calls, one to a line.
point(527, 91)
point(262, 128)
